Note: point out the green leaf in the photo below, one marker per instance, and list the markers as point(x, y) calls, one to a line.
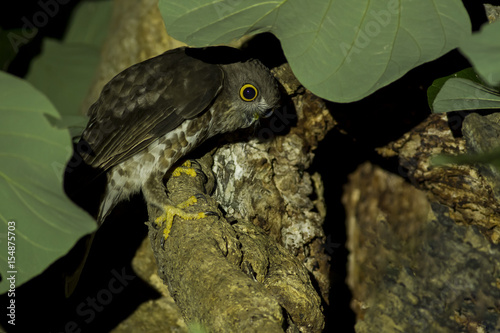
point(64, 73)
point(33, 155)
point(483, 51)
point(65, 70)
point(8, 52)
point(89, 23)
point(436, 86)
point(492, 158)
point(340, 50)
point(461, 94)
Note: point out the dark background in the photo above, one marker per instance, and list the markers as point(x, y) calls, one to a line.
point(363, 126)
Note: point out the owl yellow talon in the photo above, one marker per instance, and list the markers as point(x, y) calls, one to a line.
point(170, 212)
point(185, 168)
point(189, 202)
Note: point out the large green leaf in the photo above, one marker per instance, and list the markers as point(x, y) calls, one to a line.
point(64, 73)
point(483, 51)
point(32, 159)
point(340, 50)
point(65, 70)
point(462, 94)
point(89, 23)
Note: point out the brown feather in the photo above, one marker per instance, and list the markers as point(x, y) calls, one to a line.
point(146, 101)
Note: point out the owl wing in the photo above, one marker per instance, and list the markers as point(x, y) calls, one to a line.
point(146, 101)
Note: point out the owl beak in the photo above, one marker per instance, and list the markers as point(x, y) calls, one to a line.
point(263, 114)
point(267, 113)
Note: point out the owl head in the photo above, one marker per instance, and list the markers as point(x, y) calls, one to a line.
point(251, 89)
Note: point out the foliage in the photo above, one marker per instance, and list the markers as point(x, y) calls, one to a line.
point(340, 50)
point(35, 145)
point(65, 69)
point(32, 158)
point(472, 89)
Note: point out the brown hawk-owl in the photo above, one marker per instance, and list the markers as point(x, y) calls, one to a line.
point(155, 112)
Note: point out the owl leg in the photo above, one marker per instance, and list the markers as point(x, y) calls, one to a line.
point(155, 194)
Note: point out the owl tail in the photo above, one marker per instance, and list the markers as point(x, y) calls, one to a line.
point(81, 252)
point(110, 200)
point(104, 210)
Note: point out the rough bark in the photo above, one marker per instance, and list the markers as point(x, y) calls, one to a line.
point(423, 249)
point(199, 263)
point(463, 188)
point(231, 277)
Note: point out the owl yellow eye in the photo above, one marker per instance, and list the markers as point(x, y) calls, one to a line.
point(248, 92)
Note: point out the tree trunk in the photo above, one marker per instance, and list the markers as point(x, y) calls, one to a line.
point(424, 254)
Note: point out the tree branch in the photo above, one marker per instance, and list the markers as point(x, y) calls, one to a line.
point(231, 277)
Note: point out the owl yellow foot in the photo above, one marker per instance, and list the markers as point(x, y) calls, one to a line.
point(170, 212)
point(184, 168)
